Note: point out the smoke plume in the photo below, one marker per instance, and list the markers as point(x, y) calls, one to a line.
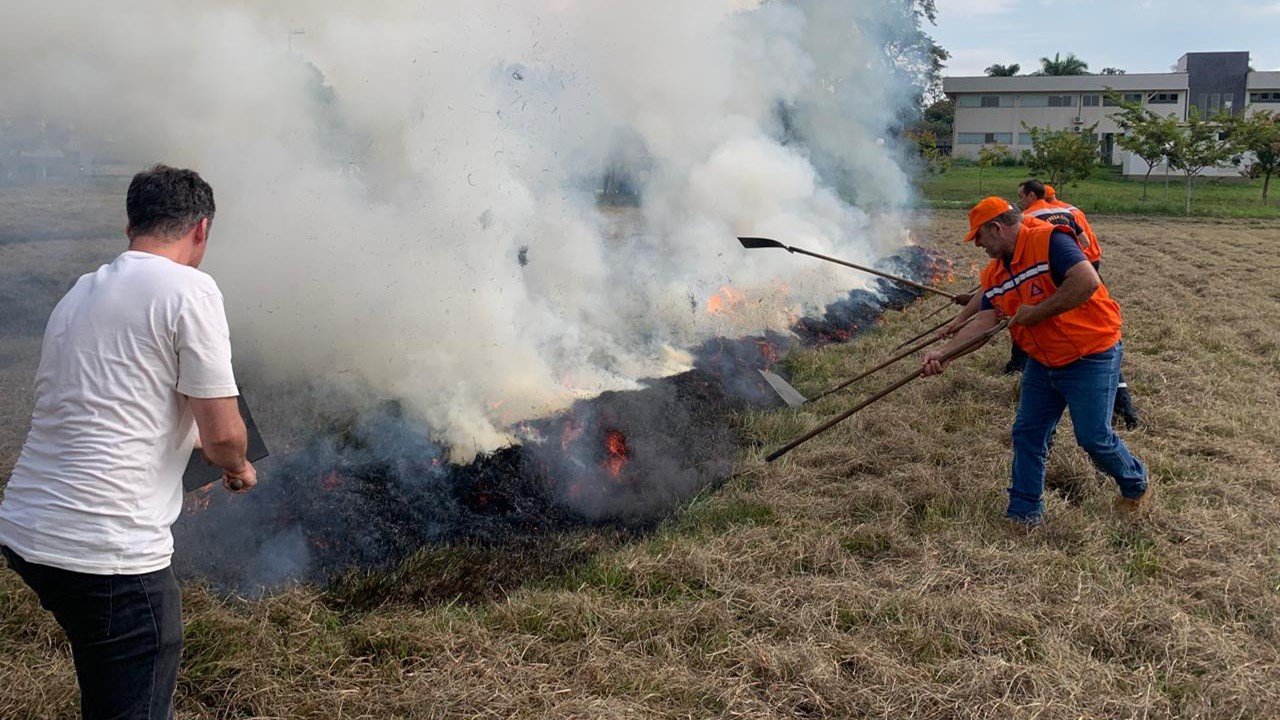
point(409, 193)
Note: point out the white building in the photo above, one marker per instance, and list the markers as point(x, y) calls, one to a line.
point(993, 110)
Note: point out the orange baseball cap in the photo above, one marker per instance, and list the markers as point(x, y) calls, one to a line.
point(1049, 192)
point(984, 212)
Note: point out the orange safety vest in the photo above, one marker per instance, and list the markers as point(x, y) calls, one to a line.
point(1084, 223)
point(1064, 338)
point(1060, 213)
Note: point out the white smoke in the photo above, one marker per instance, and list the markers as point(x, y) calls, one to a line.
point(407, 191)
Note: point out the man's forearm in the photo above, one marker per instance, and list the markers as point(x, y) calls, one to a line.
point(228, 454)
point(971, 308)
point(1077, 287)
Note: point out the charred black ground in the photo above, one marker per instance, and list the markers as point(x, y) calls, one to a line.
point(369, 493)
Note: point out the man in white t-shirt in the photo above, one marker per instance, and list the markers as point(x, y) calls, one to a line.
point(135, 368)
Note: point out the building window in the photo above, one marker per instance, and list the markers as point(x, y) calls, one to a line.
point(1090, 100)
point(1067, 101)
point(1024, 139)
point(1128, 97)
point(985, 101)
point(1163, 99)
point(1265, 97)
point(984, 138)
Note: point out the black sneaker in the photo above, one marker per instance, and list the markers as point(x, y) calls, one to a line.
point(1125, 409)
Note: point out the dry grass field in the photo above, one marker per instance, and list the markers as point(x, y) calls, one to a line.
point(867, 575)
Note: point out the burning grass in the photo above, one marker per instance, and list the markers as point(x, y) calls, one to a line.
point(867, 575)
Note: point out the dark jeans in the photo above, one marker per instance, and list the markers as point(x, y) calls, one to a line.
point(1124, 400)
point(1088, 387)
point(125, 632)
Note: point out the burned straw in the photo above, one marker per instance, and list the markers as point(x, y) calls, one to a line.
point(975, 341)
point(756, 243)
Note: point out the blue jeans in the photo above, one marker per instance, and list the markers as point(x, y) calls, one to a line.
point(125, 633)
point(1088, 387)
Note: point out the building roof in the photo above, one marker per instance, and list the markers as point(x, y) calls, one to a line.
point(1264, 80)
point(1067, 83)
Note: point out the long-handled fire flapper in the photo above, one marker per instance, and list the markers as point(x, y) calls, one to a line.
point(926, 333)
point(940, 308)
point(792, 397)
point(968, 345)
point(756, 243)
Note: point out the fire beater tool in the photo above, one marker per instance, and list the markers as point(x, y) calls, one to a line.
point(756, 243)
point(944, 307)
point(973, 342)
point(198, 474)
point(792, 397)
point(926, 333)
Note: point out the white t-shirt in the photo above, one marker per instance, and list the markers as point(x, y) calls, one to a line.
point(99, 481)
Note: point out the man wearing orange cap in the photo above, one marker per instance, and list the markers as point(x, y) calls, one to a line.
point(1039, 200)
point(1063, 317)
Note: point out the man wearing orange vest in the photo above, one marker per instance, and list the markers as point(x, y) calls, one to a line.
point(1095, 253)
point(1039, 200)
point(1063, 317)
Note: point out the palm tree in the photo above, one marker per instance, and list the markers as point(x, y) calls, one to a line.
point(999, 70)
point(1070, 65)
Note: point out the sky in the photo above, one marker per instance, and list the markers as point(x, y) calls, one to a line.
point(1139, 36)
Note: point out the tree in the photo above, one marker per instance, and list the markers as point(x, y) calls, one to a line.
point(939, 118)
point(999, 70)
point(1147, 134)
point(1063, 156)
point(990, 155)
point(1201, 145)
point(927, 146)
point(1070, 65)
point(914, 54)
point(1259, 135)
point(1111, 71)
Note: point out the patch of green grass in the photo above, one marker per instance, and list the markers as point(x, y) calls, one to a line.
point(868, 544)
point(1108, 192)
point(557, 626)
point(935, 513)
point(715, 516)
point(619, 579)
point(1140, 554)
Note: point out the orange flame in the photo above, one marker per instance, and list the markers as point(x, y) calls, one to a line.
point(616, 444)
point(769, 352)
point(726, 300)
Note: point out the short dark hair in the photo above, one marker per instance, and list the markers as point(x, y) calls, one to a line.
point(167, 201)
point(1033, 186)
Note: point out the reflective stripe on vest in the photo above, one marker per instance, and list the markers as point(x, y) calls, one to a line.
point(1090, 328)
